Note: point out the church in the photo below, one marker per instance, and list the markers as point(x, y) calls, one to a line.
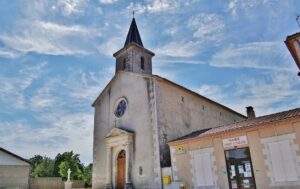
point(138, 113)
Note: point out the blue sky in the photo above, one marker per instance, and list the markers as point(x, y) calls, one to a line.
point(56, 57)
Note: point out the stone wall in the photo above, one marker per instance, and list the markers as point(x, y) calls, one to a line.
point(14, 176)
point(181, 112)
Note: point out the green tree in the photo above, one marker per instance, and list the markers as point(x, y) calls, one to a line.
point(69, 160)
point(86, 175)
point(34, 161)
point(44, 168)
point(63, 169)
point(66, 156)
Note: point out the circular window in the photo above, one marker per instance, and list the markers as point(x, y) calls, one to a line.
point(121, 108)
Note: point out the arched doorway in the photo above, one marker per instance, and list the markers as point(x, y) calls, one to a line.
point(121, 166)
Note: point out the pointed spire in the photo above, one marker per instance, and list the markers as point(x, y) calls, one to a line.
point(133, 35)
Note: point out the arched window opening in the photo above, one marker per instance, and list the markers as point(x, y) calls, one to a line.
point(124, 64)
point(142, 63)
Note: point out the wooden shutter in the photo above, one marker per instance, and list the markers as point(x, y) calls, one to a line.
point(208, 169)
point(289, 161)
point(198, 169)
point(276, 161)
point(203, 169)
point(283, 161)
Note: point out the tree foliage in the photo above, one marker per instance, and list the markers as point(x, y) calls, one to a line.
point(44, 168)
point(87, 174)
point(58, 167)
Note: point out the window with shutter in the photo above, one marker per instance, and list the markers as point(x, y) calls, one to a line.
point(282, 161)
point(203, 168)
point(276, 162)
point(289, 160)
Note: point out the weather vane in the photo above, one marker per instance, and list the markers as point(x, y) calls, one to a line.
point(133, 14)
point(298, 20)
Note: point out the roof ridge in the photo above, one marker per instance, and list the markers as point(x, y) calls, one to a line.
point(15, 155)
point(286, 114)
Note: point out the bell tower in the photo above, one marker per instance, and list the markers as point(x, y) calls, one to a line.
point(133, 57)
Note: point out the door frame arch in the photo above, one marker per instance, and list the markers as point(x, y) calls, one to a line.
point(118, 169)
point(116, 141)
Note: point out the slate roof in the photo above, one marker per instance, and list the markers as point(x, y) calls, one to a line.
point(293, 113)
point(15, 155)
point(133, 35)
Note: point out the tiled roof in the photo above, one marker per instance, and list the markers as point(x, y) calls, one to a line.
point(193, 134)
point(245, 124)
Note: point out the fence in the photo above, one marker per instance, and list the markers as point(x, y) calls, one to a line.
point(52, 183)
point(46, 183)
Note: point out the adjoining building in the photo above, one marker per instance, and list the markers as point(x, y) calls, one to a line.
point(137, 113)
point(14, 170)
point(260, 152)
point(293, 44)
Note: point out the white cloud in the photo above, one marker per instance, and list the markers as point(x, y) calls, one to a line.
point(38, 9)
point(182, 60)
point(213, 92)
point(71, 7)
point(12, 87)
point(265, 55)
point(235, 5)
point(207, 26)
point(9, 53)
point(265, 94)
point(62, 133)
point(108, 1)
point(111, 46)
point(59, 29)
point(50, 38)
point(179, 49)
point(53, 104)
point(89, 85)
point(155, 6)
point(46, 96)
point(162, 5)
point(273, 92)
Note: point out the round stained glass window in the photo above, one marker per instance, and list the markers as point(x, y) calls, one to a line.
point(121, 108)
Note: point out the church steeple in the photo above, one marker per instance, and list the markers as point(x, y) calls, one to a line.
point(133, 35)
point(134, 57)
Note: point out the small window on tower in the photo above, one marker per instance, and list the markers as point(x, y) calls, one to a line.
point(124, 64)
point(142, 63)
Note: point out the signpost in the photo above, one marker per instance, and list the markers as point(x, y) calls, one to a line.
point(235, 142)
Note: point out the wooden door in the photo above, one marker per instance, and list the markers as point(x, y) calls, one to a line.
point(121, 161)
